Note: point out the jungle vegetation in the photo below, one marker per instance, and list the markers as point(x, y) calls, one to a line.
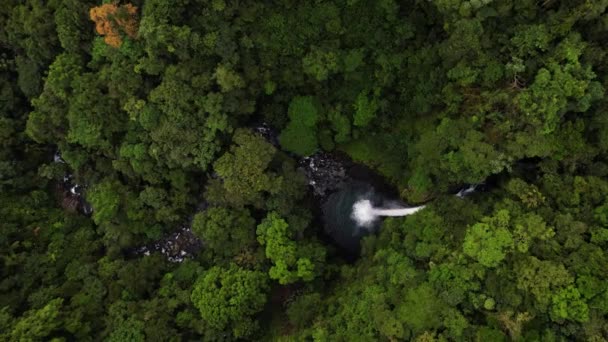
point(150, 104)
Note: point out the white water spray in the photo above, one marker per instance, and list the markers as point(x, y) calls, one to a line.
point(466, 191)
point(365, 214)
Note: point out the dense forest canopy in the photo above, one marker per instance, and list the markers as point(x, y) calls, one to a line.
point(149, 107)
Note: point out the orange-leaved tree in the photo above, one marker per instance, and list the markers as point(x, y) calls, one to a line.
point(111, 20)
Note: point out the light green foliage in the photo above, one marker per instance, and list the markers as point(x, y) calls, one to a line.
point(91, 117)
point(541, 278)
point(299, 136)
point(365, 110)
point(227, 79)
point(548, 96)
point(303, 110)
point(455, 281)
point(455, 322)
point(122, 214)
point(421, 309)
point(474, 152)
point(320, 64)
point(419, 185)
point(490, 240)
point(228, 297)
point(425, 235)
point(568, 304)
point(38, 324)
point(290, 261)
point(341, 125)
point(558, 87)
point(529, 227)
point(380, 300)
point(105, 199)
point(129, 330)
point(529, 195)
point(529, 39)
point(489, 334)
point(299, 139)
point(601, 214)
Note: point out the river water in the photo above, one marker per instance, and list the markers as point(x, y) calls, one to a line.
point(337, 215)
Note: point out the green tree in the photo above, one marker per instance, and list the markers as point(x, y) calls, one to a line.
point(489, 241)
point(320, 64)
point(105, 198)
point(422, 310)
point(560, 87)
point(365, 110)
point(300, 134)
point(226, 232)
point(38, 324)
point(228, 298)
point(244, 169)
point(291, 262)
point(541, 278)
point(568, 304)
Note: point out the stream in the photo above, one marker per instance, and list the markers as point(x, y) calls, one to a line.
point(337, 184)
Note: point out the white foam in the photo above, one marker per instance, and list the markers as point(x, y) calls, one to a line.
point(365, 214)
point(464, 192)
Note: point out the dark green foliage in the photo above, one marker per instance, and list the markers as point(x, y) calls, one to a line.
point(225, 232)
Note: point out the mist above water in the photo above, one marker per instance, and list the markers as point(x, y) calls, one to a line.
point(356, 211)
point(365, 214)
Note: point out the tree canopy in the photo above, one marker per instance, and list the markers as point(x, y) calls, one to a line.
point(151, 182)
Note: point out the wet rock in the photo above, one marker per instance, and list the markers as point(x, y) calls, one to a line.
point(57, 158)
point(325, 173)
point(176, 246)
point(267, 133)
point(72, 194)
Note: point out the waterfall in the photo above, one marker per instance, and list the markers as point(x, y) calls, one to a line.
point(466, 191)
point(365, 214)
